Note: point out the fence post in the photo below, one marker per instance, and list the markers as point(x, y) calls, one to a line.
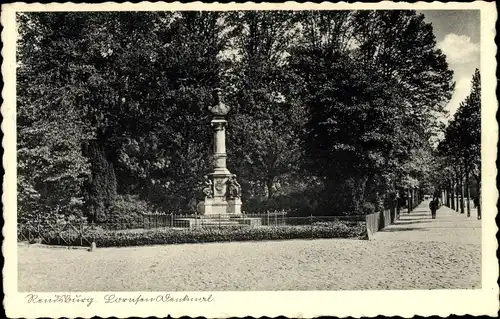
point(275, 219)
point(267, 218)
point(311, 223)
point(93, 236)
point(219, 222)
point(196, 221)
point(81, 234)
point(171, 219)
point(38, 230)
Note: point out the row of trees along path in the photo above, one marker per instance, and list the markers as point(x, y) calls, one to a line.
point(459, 155)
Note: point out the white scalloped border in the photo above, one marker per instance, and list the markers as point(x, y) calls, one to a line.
point(257, 304)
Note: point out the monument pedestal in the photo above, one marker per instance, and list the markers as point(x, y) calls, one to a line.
point(214, 206)
point(234, 206)
point(222, 191)
point(220, 204)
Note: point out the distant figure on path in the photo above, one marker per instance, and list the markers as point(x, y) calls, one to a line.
point(434, 205)
point(476, 201)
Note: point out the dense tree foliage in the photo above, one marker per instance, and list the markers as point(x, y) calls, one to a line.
point(336, 107)
point(266, 124)
point(373, 97)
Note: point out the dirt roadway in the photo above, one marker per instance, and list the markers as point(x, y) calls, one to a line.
point(416, 253)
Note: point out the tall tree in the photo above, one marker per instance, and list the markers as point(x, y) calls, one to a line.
point(372, 100)
point(51, 166)
point(266, 123)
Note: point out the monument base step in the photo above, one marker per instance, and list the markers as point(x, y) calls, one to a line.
point(215, 222)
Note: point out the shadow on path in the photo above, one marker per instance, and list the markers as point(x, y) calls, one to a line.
point(413, 221)
point(389, 230)
point(448, 226)
point(413, 216)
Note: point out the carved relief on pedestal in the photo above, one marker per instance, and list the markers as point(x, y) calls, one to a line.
point(219, 187)
point(207, 188)
point(233, 188)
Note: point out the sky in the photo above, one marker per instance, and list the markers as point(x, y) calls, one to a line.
point(458, 36)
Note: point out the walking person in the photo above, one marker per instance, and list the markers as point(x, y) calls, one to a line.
point(434, 205)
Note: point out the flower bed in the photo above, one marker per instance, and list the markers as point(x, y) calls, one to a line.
point(160, 236)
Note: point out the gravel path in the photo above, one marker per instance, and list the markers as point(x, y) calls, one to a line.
point(424, 257)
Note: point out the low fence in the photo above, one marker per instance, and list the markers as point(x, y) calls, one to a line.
point(274, 219)
point(66, 232)
point(378, 221)
point(157, 220)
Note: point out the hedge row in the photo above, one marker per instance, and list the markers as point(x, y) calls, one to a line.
point(160, 236)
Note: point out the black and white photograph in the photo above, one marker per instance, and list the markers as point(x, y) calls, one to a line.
point(190, 153)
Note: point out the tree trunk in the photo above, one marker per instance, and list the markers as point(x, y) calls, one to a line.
point(462, 210)
point(448, 193)
point(269, 185)
point(468, 201)
point(445, 198)
point(413, 198)
point(452, 193)
point(479, 215)
point(468, 192)
point(457, 195)
point(478, 181)
point(398, 207)
point(410, 198)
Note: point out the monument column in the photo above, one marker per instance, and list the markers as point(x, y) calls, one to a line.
point(219, 127)
point(219, 136)
point(224, 197)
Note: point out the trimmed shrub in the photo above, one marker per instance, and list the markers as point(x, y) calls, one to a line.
point(368, 208)
point(107, 238)
point(102, 186)
point(125, 212)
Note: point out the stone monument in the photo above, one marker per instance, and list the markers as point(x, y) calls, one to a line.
point(221, 189)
